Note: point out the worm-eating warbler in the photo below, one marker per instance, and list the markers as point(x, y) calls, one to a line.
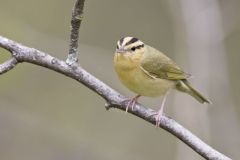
point(148, 72)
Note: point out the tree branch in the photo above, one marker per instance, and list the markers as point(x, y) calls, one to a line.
point(77, 16)
point(8, 65)
point(114, 99)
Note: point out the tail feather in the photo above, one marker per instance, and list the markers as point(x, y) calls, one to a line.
point(184, 86)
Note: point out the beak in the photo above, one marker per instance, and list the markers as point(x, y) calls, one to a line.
point(120, 50)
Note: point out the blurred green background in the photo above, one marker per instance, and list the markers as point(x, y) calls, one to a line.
point(45, 115)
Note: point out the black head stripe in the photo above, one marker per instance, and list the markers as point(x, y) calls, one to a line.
point(121, 41)
point(131, 41)
point(140, 46)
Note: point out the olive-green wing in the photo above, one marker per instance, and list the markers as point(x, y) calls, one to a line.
point(158, 65)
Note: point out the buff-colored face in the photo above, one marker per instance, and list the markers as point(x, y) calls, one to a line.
point(129, 45)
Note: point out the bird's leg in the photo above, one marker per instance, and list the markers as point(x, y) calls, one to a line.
point(132, 102)
point(160, 111)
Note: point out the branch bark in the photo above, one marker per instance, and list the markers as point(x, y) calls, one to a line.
point(22, 53)
point(77, 17)
point(8, 65)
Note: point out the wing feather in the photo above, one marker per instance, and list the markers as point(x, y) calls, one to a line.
point(156, 64)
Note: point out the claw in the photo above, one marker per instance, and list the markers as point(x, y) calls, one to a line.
point(132, 102)
point(159, 114)
point(158, 118)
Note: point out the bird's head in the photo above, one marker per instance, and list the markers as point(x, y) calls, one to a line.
point(129, 46)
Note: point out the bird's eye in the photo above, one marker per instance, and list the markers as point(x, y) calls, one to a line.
point(133, 48)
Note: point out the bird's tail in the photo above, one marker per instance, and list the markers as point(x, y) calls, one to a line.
point(184, 86)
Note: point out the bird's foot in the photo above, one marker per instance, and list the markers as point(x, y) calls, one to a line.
point(160, 111)
point(158, 117)
point(132, 102)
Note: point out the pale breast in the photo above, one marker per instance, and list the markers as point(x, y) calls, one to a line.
point(137, 81)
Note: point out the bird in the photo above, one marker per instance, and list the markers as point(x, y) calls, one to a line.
point(148, 72)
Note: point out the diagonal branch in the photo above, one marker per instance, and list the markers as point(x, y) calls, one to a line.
point(8, 65)
point(77, 16)
point(113, 98)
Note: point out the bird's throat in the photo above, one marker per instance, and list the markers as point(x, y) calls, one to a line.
point(127, 61)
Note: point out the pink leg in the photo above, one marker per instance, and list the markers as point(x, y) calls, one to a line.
point(132, 102)
point(160, 111)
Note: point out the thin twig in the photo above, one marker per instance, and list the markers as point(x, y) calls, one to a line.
point(8, 65)
point(113, 98)
point(77, 16)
